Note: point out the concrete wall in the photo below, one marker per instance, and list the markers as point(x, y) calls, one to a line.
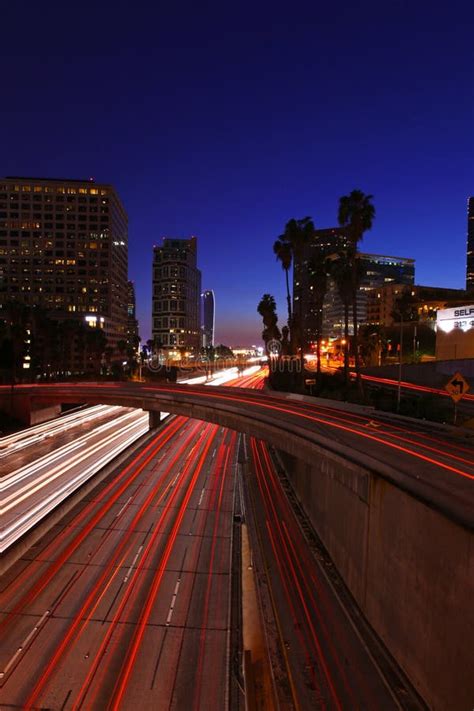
point(435, 374)
point(409, 568)
point(27, 411)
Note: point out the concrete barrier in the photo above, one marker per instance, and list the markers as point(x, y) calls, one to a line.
point(409, 567)
point(25, 410)
point(398, 528)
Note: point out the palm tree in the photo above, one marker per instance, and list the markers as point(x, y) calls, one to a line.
point(340, 272)
point(318, 283)
point(297, 234)
point(356, 214)
point(284, 255)
point(267, 310)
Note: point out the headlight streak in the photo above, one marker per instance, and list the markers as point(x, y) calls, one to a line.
point(23, 523)
point(32, 435)
point(87, 609)
point(106, 499)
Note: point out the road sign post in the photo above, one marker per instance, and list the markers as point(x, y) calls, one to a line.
point(457, 387)
point(310, 382)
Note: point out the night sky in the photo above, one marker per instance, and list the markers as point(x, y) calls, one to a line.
point(224, 120)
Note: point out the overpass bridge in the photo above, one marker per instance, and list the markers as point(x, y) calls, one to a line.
point(392, 503)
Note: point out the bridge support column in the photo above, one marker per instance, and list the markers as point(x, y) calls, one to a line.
point(154, 419)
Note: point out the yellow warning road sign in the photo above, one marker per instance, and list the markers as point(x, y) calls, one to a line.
point(457, 386)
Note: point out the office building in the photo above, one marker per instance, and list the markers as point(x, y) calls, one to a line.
point(427, 301)
point(176, 296)
point(132, 323)
point(208, 318)
point(470, 246)
point(325, 242)
point(377, 271)
point(64, 248)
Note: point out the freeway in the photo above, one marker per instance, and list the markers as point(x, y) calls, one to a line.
point(127, 601)
point(28, 445)
point(123, 600)
point(30, 492)
point(42, 465)
point(431, 465)
point(320, 656)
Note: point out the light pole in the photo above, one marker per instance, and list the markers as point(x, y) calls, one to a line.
point(399, 389)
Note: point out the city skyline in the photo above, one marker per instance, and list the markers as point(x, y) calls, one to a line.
point(226, 136)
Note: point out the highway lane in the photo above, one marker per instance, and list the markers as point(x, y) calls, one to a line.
point(29, 444)
point(136, 605)
point(30, 492)
point(320, 660)
point(127, 602)
point(137, 575)
point(439, 461)
point(433, 463)
point(66, 453)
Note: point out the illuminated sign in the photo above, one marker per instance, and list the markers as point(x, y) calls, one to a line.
point(461, 317)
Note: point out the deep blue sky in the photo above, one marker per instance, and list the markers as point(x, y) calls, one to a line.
point(224, 120)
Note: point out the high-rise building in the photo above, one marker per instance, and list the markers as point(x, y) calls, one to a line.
point(132, 323)
point(470, 246)
point(208, 318)
point(176, 295)
point(325, 242)
point(64, 247)
point(377, 270)
point(427, 301)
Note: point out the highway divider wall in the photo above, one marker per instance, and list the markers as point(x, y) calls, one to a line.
point(408, 566)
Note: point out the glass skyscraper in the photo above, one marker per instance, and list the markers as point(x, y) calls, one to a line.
point(176, 295)
point(470, 246)
point(208, 318)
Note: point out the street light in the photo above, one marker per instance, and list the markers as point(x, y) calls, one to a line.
point(399, 388)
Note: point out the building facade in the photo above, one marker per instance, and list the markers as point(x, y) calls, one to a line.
point(324, 243)
point(132, 323)
point(377, 271)
point(427, 301)
point(208, 318)
point(470, 246)
point(64, 248)
point(176, 295)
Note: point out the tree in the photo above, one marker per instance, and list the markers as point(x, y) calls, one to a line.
point(96, 343)
point(372, 340)
point(297, 234)
point(267, 310)
point(222, 351)
point(340, 270)
point(14, 331)
point(405, 310)
point(122, 346)
point(356, 213)
point(283, 252)
point(318, 283)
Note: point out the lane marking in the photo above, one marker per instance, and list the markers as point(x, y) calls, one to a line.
point(125, 504)
point(133, 563)
point(200, 498)
point(173, 600)
point(24, 644)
